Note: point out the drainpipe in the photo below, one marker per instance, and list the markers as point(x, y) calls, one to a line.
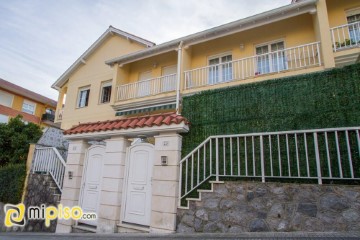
point(178, 78)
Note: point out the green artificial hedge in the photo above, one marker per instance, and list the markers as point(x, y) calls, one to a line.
point(12, 177)
point(318, 100)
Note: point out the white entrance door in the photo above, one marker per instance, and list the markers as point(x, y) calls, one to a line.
point(138, 187)
point(91, 187)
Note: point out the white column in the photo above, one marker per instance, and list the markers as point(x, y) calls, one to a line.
point(165, 183)
point(112, 184)
point(71, 187)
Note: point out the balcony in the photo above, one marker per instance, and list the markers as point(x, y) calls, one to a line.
point(48, 117)
point(294, 58)
point(346, 36)
point(149, 87)
point(346, 43)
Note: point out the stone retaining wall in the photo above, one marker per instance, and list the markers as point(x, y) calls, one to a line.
point(272, 207)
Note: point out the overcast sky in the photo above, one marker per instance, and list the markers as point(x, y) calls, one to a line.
point(40, 39)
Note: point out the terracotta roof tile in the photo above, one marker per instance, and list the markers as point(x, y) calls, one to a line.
point(133, 122)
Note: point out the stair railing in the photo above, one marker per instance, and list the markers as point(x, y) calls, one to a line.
point(48, 160)
point(317, 154)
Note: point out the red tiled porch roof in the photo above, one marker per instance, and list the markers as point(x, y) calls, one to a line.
point(126, 123)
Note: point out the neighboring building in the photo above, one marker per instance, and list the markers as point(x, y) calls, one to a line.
point(35, 108)
point(124, 87)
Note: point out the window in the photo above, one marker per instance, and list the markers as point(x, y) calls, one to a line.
point(270, 58)
point(83, 97)
point(105, 92)
point(4, 118)
point(6, 99)
point(28, 107)
point(144, 86)
point(353, 19)
point(220, 69)
point(169, 78)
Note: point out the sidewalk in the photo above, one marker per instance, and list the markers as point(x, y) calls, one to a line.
point(89, 236)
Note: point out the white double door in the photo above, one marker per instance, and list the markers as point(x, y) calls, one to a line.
point(137, 206)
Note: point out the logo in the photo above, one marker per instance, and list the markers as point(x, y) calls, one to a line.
point(14, 215)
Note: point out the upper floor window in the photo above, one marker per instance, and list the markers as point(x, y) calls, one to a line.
point(220, 68)
point(105, 92)
point(6, 99)
point(168, 82)
point(83, 97)
point(353, 19)
point(28, 107)
point(270, 57)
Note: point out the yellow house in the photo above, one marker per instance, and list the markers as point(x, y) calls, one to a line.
point(35, 108)
point(125, 87)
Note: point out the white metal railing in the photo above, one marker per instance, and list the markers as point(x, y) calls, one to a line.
point(331, 154)
point(307, 55)
point(345, 36)
point(147, 87)
point(48, 160)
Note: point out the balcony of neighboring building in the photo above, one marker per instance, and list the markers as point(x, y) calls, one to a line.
point(344, 21)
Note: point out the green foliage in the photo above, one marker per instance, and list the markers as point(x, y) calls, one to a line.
point(15, 138)
point(12, 179)
point(318, 100)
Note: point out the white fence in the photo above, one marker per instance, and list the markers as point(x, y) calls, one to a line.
point(346, 36)
point(320, 154)
point(307, 55)
point(48, 160)
point(148, 87)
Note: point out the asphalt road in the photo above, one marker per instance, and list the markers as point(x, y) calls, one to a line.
point(89, 236)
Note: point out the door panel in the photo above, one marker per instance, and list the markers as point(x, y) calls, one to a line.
point(138, 187)
point(91, 187)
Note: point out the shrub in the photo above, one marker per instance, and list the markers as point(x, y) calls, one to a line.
point(12, 179)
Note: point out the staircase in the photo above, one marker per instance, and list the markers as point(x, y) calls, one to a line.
point(49, 161)
point(318, 155)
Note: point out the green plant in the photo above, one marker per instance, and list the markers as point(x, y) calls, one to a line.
point(15, 137)
point(12, 179)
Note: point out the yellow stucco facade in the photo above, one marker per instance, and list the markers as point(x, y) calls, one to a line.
point(304, 35)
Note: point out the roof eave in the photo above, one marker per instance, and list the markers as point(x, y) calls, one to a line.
point(223, 30)
point(110, 31)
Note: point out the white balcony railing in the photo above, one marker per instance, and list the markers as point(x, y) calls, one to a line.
point(307, 55)
point(147, 87)
point(345, 36)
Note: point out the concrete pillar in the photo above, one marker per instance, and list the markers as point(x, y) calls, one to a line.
point(112, 184)
point(322, 31)
point(71, 187)
point(120, 77)
point(165, 183)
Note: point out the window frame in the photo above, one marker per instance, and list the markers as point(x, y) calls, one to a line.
point(11, 95)
point(107, 83)
point(219, 56)
point(30, 103)
point(268, 44)
point(86, 88)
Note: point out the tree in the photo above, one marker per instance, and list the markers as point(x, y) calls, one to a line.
point(15, 138)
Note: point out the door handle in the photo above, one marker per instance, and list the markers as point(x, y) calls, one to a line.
point(138, 187)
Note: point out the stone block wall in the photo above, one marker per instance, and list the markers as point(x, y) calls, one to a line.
point(273, 207)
